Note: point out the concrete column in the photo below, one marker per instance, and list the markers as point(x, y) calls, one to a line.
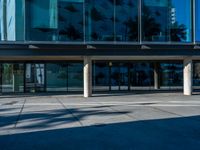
point(156, 76)
point(188, 76)
point(87, 73)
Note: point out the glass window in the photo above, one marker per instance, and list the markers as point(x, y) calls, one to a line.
point(171, 74)
point(166, 20)
point(126, 20)
point(99, 20)
point(196, 78)
point(35, 77)
point(141, 75)
point(101, 76)
point(11, 20)
point(75, 76)
point(198, 20)
point(56, 77)
point(12, 78)
point(54, 20)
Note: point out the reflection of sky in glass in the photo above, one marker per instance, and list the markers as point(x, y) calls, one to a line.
point(162, 11)
point(183, 14)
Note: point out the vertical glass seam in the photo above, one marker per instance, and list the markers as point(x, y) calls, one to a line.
point(140, 21)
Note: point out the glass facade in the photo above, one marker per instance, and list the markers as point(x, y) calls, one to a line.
point(56, 77)
point(123, 75)
point(116, 75)
point(106, 76)
point(41, 77)
point(141, 75)
point(196, 76)
point(171, 74)
point(12, 77)
point(64, 76)
point(35, 77)
point(54, 20)
point(166, 20)
point(98, 20)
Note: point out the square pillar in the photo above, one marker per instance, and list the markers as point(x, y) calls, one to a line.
point(188, 76)
point(87, 76)
point(156, 76)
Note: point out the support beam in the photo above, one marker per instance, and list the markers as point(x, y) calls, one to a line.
point(188, 76)
point(156, 76)
point(87, 76)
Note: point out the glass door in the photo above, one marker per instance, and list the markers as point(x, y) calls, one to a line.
point(119, 75)
point(35, 78)
point(124, 76)
point(115, 76)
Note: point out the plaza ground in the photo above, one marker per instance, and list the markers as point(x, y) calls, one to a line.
point(135, 121)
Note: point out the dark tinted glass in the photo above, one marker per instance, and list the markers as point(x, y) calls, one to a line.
point(166, 20)
point(54, 20)
point(99, 20)
point(126, 20)
point(56, 77)
point(171, 74)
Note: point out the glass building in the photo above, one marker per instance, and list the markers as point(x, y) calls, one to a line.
point(99, 45)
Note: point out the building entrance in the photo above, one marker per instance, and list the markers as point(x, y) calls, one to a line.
point(34, 78)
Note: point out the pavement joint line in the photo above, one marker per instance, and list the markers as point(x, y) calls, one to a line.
point(18, 117)
point(76, 118)
point(114, 104)
point(130, 116)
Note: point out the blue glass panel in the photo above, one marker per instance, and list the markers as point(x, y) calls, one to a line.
point(100, 20)
point(166, 20)
point(126, 20)
point(54, 20)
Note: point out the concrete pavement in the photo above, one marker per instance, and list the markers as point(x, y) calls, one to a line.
point(131, 121)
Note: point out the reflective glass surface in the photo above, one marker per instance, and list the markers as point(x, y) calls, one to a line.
point(99, 20)
point(75, 77)
point(166, 20)
point(101, 76)
point(12, 77)
point(141, 75)
point(35, 78)
point(116, 76)
point(64, 76)
point(54, 20)
point(56, 76)
point(171, 74)
point(12, 20)
point(196, 77)
point(126, 20)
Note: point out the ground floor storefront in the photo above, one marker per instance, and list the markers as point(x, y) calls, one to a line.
point(96, 76)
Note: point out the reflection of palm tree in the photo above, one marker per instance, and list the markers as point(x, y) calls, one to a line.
point(71, 32)
point(95, 16)
point(71, 8)
point(131, 29)
point(178, 32)
point(151, 27)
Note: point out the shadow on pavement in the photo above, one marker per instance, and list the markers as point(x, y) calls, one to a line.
point(162, 134)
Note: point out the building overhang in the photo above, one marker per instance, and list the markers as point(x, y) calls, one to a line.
point(77, 49)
